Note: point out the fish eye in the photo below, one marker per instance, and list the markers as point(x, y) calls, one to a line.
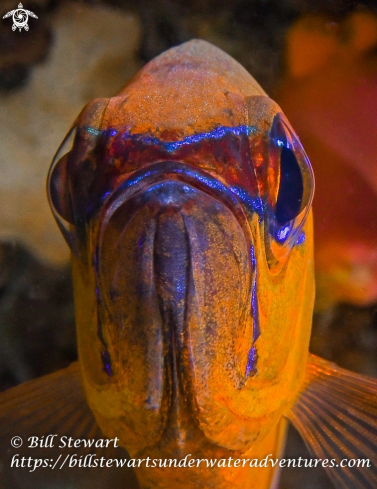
point(291, 188)
point(58, 186)
point(57, 182)
point(287, 211)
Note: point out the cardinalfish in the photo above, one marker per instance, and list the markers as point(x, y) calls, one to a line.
point(186, 202)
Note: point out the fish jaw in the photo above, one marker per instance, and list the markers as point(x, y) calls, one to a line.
point(168, 320)
point(159, 356)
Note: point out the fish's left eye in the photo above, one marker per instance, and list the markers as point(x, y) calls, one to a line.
point(293, 193)
point(291, 188)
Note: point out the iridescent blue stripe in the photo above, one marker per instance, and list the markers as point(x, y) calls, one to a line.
point(301, 238)
point(252, 358)
point(251, 361)
point(210, 182)
point(217, 133)
point(170, 146)
point(255, 204)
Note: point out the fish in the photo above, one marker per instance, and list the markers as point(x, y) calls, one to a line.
point(327, 97)
point(186, 203)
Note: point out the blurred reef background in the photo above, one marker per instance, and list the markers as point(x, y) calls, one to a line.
point(318, 60)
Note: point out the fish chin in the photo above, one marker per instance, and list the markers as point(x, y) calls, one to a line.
point(174, 279)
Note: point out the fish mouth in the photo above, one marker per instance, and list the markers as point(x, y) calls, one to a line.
point(166, 198)
point(174, 276)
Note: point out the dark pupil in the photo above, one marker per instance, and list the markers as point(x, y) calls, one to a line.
point(291, 188)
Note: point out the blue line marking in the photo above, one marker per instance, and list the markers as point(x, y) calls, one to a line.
point(301, 238)
point(251, 361)
point(252, 358)
point(171, 146)
point(217, 133)
point(255, 204)
point(92, 131)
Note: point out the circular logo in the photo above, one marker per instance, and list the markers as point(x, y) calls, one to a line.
point(20, 18)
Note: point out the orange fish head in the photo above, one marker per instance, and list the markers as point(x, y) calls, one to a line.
point(186, 203)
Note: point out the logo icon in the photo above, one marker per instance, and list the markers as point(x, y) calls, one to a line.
point(20, 17)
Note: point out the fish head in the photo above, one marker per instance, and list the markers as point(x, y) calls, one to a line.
point(186, 203)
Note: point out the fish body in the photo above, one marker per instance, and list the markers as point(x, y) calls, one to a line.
point(179, 310)
point(186, 203)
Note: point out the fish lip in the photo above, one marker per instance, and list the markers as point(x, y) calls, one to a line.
point(140, 180)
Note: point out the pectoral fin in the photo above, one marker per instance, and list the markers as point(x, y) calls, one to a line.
point(51, 404)
point(55, 405)
point(336, 414)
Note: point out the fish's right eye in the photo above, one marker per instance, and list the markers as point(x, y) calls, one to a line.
point(58, 187)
